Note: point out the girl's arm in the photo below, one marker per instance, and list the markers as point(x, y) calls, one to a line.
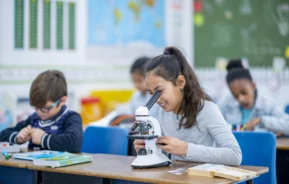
point(276, 121)
point(226, 150)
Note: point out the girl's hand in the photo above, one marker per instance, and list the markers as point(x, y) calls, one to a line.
point(138, 144)
point(253, 123)
point(173, 145)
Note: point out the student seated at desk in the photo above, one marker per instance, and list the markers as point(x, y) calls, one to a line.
point(52, 126)
point(140, 97)
point(246, 107)
point(193, 127)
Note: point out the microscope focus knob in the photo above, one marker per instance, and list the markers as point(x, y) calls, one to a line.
point(134, 126)
point(142, 151)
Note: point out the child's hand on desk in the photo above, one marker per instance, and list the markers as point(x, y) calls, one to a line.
point(253, 123)
point(138, 144)
point(36, 135)
point(173, 145)
point(24, 135)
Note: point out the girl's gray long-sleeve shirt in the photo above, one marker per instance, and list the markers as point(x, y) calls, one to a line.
point(209, 140)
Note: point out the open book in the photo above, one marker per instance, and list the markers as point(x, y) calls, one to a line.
point(62, 159)
point(211, 170)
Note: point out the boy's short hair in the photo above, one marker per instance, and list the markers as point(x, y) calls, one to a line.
point(139, 65)
point(49, 85)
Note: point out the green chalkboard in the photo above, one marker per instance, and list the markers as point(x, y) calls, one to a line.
point(255, 29)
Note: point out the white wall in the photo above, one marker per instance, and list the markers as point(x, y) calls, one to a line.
point(84, 75)
point(179, 26)
point(2, 24)
point(21, 66)
point(18, 68)
point(37, 56)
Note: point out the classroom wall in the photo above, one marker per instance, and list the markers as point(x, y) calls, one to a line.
point(19, 67)
point(37, 56)
point(2, 23)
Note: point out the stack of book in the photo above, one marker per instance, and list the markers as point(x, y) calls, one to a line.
point(211, 170)
point(53, 158)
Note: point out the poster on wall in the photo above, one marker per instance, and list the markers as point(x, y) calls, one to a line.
point(44, 25)
point(124, 30)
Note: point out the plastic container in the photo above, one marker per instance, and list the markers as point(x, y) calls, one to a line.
point(91, 110)
point(111, 98)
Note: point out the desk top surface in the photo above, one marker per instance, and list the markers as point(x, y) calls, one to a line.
point(11, 162)
point(118, 167)
point(282, 143)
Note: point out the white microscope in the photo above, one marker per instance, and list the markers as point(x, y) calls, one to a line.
point(149, 130)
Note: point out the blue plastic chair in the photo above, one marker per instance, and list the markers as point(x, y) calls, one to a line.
point(259, 149)
point(287, 109)
point(107, 140)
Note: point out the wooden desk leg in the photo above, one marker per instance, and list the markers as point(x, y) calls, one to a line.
point(249, 181)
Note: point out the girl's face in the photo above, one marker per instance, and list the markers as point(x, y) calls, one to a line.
point(244, 92)
point(139, 82)
point(171, 95)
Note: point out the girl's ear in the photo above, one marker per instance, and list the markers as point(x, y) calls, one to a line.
point(181, 82)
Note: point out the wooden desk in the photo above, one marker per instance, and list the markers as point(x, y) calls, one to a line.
point(282, 143)
point(11, 162)
point(118, 167)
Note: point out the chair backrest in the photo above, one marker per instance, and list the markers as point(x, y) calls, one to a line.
point(287, 108)
point(108, 140)
point(259, 149)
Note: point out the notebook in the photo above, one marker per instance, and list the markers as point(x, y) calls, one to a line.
point(36, 154)
point(211, 170)
point(62, 159)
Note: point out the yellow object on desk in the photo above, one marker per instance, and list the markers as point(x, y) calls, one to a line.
point(211, 170)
